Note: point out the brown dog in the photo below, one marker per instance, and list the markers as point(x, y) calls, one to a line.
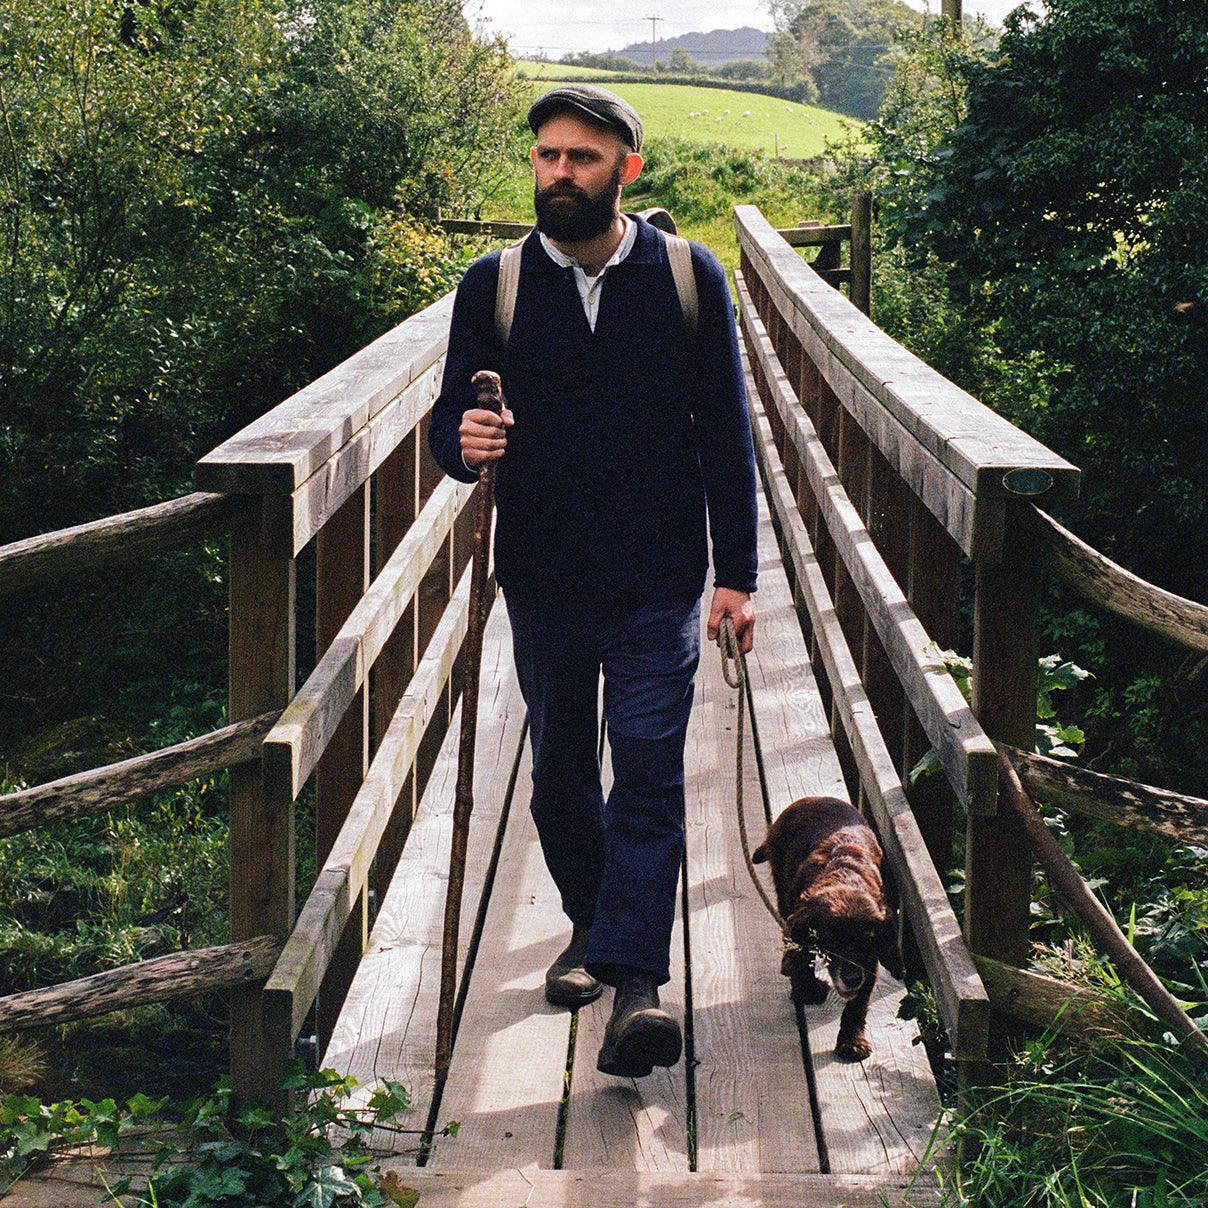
point(826, 864)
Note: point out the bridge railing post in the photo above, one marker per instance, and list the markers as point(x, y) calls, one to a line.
point(261, 678)
point(1006, 638)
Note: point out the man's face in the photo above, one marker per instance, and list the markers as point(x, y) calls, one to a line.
point(579, 170)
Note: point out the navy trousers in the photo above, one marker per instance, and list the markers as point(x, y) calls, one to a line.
point(616, 863)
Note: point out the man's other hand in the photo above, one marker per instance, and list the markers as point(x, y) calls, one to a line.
point(738, 607)
point(483, 435)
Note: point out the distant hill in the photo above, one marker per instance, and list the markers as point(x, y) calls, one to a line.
point(710, 49)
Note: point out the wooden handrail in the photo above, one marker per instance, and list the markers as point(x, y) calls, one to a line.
point(177, 975)
point(1105, 583)
point(967, 755)
point(1112, 798)
point(961, 458)
point(111, 540)
point(278, 452)
point(101, 789)
point(962, 999)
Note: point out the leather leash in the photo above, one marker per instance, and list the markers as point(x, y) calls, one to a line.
point(734, 672)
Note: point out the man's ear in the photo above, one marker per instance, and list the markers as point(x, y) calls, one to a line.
point(533, 157)
point(631, 167)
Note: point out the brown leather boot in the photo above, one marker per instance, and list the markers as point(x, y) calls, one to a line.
point(640, 1034)
point(567, 983)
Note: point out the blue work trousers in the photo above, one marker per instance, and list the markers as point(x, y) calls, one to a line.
point(616, 863)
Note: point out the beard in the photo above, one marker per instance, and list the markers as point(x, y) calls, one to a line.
point(571, 215)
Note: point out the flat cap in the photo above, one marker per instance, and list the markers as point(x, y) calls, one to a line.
point(602, 106)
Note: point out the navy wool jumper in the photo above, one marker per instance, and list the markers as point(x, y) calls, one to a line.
point(621, 434)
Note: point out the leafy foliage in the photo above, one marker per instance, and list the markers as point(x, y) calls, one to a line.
point(217, 1156)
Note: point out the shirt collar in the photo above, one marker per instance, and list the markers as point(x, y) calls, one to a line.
point(628, 239)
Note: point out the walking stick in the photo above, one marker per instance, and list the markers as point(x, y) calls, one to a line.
point(490, 398)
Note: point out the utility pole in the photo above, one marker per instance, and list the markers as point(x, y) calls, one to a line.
point(653, 39)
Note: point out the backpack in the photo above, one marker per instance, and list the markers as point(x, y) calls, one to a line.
point(679, 253)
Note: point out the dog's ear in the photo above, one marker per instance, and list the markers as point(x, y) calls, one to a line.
point(760, 854)
point(889, 952)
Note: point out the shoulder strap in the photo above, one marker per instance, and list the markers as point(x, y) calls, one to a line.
point(679, 253)
point(506, 290)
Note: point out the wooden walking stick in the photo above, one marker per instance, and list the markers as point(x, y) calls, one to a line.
point(490, 398)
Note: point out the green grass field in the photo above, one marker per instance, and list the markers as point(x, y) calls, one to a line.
point(718, 115)
point(537, 69)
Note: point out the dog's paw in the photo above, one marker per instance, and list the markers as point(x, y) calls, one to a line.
point(853, 1048)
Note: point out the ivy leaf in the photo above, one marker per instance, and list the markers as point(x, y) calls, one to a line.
point(325, 1187)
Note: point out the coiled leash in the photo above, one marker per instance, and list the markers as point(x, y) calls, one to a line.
point(734, 672)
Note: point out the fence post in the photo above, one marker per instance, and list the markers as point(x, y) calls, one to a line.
point(260, 678)
point(861, 252)
point(1006, 636)
point(341, 577)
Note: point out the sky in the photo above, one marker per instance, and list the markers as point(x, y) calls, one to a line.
point(558, 26)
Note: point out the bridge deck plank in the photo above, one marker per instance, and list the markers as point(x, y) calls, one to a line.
point(387, 1028)
point(752, 1099)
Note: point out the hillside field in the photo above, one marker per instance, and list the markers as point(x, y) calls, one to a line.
point(717, 115)
point(538, 69)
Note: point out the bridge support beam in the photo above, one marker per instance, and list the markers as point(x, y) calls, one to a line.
point(260, 679)
point(998, 860)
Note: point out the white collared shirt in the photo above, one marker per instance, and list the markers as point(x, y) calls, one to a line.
point(590, 288)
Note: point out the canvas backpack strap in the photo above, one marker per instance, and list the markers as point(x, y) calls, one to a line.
point(506, 291)
point(679, 253)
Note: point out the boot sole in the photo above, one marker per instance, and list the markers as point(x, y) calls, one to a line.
point(649, 1040)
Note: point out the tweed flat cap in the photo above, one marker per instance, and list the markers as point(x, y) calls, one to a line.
point(597, 103)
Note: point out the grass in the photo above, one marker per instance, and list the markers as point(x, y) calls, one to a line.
point(747, 120)
point(538, 69)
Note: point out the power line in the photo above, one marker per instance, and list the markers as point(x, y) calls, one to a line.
point(654, 37)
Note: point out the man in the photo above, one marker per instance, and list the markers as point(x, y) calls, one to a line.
point(619, 423)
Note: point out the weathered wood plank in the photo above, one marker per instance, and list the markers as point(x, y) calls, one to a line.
point(388, 1026)
point(1006, 645)
point(1112, 798)
point(974, 443)
point(878, 1114)
point(296, 742)
point(260, 678)
point(610, 1187)
point(160, 979)
point(752, 1097)
point(100, 789)
point(632, 1123)
point(304, 959)
point(487, 228)
point(1105, 583)
point(123, 538)
point(505, 1080)
point(1048, 1002)
point(815, 236)
point(959, 992)
point(966, 754)
point(298, 517)
point(282, 449)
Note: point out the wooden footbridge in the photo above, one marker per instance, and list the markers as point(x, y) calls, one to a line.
point(884, 487)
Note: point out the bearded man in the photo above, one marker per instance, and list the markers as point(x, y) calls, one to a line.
point(625, 434)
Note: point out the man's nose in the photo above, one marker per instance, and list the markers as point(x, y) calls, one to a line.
point(562, 169)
